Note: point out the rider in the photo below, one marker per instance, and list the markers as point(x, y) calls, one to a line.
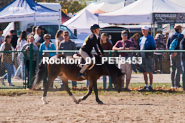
point(91, 41)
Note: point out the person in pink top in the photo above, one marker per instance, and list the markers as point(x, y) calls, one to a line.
point(124, 44)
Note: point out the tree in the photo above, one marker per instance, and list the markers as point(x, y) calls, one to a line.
point(72, 6)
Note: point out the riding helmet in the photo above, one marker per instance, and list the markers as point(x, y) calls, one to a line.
point(94, 26)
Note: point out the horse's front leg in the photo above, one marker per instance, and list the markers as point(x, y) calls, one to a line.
point(88, 93)
point(65, 83)
point(96, 94)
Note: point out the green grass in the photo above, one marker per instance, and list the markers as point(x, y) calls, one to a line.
point(82, 84)
point(165, 90)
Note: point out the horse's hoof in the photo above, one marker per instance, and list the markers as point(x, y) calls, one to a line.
point(79, 100)
point(45, 103)
point(100, 102)
point(76, 102)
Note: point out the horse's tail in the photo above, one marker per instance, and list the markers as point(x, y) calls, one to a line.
point(40, 75)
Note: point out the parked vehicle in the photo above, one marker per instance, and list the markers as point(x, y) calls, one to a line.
point(51, 26)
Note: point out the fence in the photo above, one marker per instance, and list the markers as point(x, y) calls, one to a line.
point(22, 83)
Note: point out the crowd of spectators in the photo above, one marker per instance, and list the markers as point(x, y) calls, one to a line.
point(14, 62)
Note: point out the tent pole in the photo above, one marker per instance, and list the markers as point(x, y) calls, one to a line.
point(60, 11)
point(151, 29)
point(34, 20)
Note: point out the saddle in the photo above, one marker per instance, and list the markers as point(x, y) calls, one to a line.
point(82, 61)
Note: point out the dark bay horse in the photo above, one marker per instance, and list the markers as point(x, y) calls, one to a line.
point(69, 72)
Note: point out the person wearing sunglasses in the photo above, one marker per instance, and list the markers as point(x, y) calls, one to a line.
point(124, 44)
point(67, 44)
point(47, 45)
point(92, 41)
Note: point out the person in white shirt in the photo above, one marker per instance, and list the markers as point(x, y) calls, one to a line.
point(20, 42)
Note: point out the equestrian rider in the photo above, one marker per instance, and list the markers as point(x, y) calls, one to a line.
point(91, 41)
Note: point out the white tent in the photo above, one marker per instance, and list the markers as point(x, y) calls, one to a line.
point(140, 12)
point(179, 2)
point(103, 7)
point(82, 22)
point(117, 1)
point(21, 10)
point(6, 31)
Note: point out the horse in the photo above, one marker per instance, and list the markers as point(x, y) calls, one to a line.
point(69, 72)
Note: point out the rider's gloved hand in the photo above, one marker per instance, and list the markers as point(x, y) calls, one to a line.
point(103, 55)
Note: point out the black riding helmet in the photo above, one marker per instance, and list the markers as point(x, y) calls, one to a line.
point(94, 26)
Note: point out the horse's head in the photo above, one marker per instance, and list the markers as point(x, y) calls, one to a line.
point(117, 81)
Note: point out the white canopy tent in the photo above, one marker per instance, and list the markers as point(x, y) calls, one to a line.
point(140, 12)
point(103, 7)
point(22, 10)
point(179, 2)
point(82, 22)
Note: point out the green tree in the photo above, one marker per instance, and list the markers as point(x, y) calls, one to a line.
point(73, 6)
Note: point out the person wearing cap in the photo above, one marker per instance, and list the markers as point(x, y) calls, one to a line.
point(124, 44)
point(175, 57)
point(39, 36)
point(160, 45)
point(1, 37)
point(146, 42)
point(91, 41)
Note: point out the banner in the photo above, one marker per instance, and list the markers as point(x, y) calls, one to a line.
point(169, 17)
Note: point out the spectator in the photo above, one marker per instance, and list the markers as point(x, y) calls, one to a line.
point(14, 44)
point(33, 31)
point(46, 45)
point(1, 37)
point(28, 31)
point(182, 47)
point(44, 31)
point(67, 44)
point(58, 38)
point(106, 45)
point(26, 47)
point(14, 38)
point(20, 42)
point(175, 57)
point(124, 44)
point(7, 59)
point(147, 42)
point(160, 45)
point(39, 36)
point(135, 40)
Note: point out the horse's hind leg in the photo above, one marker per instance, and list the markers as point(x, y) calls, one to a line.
point(65, 84)
point(88, 93)
point(46, 88)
